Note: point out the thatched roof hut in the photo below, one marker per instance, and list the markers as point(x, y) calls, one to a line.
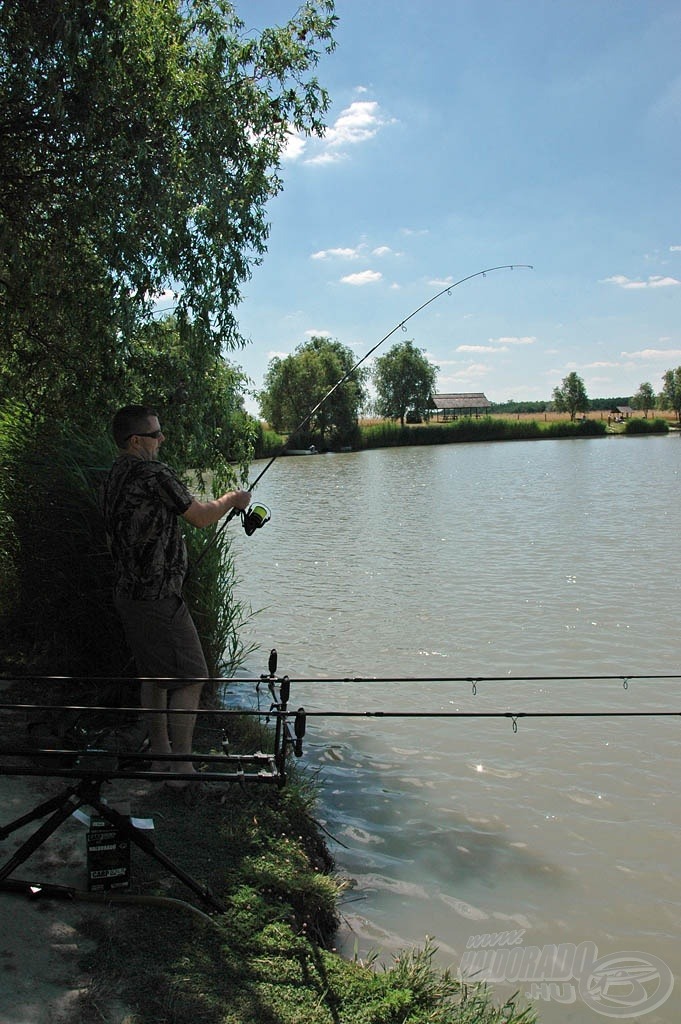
point(448, 407)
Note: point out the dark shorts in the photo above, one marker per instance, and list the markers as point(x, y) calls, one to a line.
point(163, 639)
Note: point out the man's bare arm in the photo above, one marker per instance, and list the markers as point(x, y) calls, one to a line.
point(205, 513)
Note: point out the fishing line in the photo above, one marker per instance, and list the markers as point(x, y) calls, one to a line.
point(230, 680)
point(401, 325)
point(512, 715)
point(223, 681)
point(493, 714)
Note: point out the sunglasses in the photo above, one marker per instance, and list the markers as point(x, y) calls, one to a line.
point(152, 433)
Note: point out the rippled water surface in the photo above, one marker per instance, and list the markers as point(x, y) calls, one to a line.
point(508, 560)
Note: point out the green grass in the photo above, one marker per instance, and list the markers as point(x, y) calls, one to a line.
point(267, 960)
point(388, 433)
point(645, 426)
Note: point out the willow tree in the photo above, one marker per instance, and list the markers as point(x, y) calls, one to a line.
point(405, 380)
point(139, 145)
point(140, 142)
point(300, 396)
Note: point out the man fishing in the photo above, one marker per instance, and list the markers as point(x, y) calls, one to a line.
point(143, 499)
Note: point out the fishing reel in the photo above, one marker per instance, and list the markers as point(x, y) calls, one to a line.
point(254, 518)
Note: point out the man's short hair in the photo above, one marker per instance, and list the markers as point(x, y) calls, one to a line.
point(130, 420)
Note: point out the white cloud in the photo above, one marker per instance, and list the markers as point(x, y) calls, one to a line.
point(353, 253)
point(318, 333)
point(324, 254)
point(471, 373)
point(277, 355)
point(295, 146)
point(481, 348)
point(364, 277)
point(528, 340)
point(600, 365)
point(654, 353)
point(675, 248)
point(359, 122)
point(654, 281)
point(326, 158)
point(497, 344)
point(662, 282)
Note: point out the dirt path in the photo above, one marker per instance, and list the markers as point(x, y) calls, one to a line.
point(41, 940)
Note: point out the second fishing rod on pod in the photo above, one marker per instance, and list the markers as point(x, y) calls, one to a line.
point(258, 514)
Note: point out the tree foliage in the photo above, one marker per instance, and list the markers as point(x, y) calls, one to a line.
point(198, 396)
point(295, 386)
point(513, 406)
point(404, 380)
point(571, 396)
point(644, 398)
point(670, 396)
point(139, 145)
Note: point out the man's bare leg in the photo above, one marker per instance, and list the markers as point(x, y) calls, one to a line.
point(181, 727)
point(152, 696)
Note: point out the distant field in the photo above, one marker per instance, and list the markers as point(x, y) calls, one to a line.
point(548, 417)
point(596, 414)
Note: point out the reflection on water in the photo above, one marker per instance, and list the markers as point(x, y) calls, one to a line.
point(528, 559)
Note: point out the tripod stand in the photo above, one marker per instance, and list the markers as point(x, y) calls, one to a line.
point(61, 806)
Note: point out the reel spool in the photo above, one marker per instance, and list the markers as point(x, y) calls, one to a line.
point(255, 517)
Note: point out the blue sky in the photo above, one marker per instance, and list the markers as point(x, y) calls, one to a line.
point(465, 135)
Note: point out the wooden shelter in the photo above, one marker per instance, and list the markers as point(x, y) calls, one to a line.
point(622, 412)
point(450, 407)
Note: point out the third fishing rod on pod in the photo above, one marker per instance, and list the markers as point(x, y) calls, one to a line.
point(258, 514)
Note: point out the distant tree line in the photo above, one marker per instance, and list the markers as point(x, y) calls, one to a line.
point(571, 397)
point(316, 394)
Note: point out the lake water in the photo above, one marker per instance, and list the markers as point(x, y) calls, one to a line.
point(518, 561)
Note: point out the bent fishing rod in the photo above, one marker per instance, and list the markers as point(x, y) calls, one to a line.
point(257, 515)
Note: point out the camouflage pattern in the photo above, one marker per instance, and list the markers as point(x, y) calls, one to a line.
point(142, 501)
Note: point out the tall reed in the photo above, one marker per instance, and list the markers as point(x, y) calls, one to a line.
point(388, 433)
point(56, 607)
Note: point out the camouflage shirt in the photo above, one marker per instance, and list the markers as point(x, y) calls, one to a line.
point(142, 501)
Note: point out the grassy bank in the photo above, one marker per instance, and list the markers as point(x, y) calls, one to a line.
point(269, 959)
point(389, 434)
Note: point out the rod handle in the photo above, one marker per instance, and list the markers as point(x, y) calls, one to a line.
point(299, 723)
